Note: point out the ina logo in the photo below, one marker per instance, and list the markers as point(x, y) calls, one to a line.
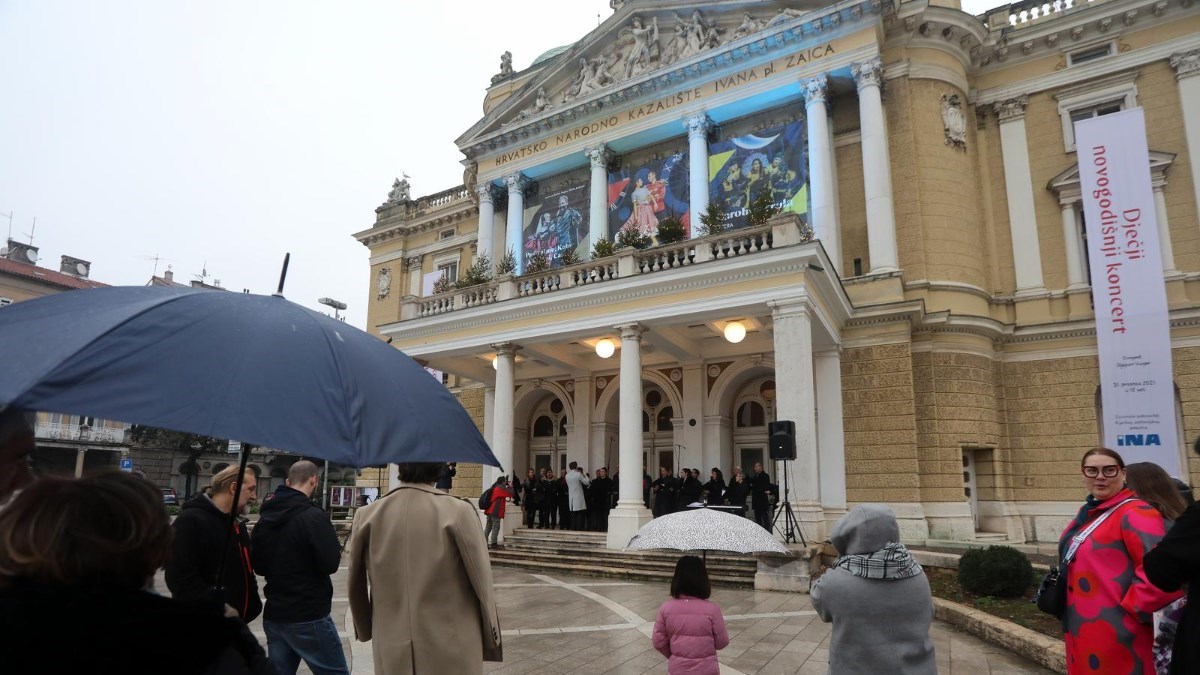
point(1138, 439)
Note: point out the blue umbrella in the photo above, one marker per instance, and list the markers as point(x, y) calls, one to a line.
point(255, 368)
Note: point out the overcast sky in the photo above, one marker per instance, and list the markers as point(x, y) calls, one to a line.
point(219, 135)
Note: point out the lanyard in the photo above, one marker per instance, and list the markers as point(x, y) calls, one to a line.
point(1078, 539)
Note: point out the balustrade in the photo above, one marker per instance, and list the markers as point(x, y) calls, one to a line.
point(741, 242)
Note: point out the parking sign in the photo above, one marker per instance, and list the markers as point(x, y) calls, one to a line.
point(126, 464)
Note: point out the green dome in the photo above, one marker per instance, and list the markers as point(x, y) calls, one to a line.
point(546, 56)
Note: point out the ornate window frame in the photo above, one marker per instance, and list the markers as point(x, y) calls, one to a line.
point(1120, 88)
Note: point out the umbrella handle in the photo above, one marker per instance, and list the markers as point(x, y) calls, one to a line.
point(233, 509)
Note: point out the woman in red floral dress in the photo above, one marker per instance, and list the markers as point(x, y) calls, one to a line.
point(1108, 624)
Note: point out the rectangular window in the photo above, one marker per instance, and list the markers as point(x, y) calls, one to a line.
point(449, 270)
point(1101, 96)
point(1078, 58)
point(446, 234)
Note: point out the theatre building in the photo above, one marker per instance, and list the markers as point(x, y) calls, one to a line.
point(919, 306)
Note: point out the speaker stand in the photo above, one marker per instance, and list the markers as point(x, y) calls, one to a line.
point(791, 524)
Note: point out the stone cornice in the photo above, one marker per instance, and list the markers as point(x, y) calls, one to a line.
point(1186, 64)
point(390, 231)
point(826, 22)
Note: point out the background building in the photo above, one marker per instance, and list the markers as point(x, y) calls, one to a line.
point(934, 343)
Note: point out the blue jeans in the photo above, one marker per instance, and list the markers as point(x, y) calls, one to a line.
point(316, 642)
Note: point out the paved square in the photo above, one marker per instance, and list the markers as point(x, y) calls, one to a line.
point(571, 624)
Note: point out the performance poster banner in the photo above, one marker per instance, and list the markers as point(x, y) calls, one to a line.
point(1132, 330)
point(559, 223)
point(639, 196)
point(773, 160)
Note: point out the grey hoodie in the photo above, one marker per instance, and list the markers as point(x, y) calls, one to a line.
point(877, 598)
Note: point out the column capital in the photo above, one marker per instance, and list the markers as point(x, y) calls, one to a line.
point(698, 125)
point(789, 308)
point(517, 183)
point(412, 263)
point(831, 353)
point(814, 89)
point(869, 73)
point(506, 348)
point(1012, 109)
point(1186, 64)
point(598, 156)
point(630, 331)
point(486, 191)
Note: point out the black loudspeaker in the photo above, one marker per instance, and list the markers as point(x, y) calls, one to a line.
point(783, 439)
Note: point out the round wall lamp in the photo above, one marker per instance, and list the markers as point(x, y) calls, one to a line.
point(495, 363)
point(605, 348)
point(735, 331)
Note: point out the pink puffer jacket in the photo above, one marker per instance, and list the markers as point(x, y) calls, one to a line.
point(689, 631)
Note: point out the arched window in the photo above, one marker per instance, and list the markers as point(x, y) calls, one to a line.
point(543, 427)
point(664, 419)
point(219, 467)
point(751, 414)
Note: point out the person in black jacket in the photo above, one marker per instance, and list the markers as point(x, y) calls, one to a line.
point(564, 502)
point(737, 492)
point(446, 480)
point(533, 492)
point(760, 494)
point(201, 531)
point(599, 500)
point(665, 488)
point(1174, 562)
point(74, 588)
point(690, 488)
point(549, 509)
point(295, 548)
point(715, 488)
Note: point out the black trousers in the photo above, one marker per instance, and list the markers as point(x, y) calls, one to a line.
point(549, 515)
point(530, 512)
point(564, 516)
point(762, 515)
point(598, 519)
point(579, 519)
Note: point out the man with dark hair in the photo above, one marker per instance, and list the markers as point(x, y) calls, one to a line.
point(760, 495)
point(16, 445)
point(549, 508)
point(201, 534)
point(445, 480)
point(295, 547)
point(564, 502)
point(576, 480)
point(430, 600)
point(533, 492)
point(666, 488)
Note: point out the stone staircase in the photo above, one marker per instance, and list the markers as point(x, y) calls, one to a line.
point(570, 552)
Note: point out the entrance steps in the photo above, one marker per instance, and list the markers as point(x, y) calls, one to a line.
point(571, 552)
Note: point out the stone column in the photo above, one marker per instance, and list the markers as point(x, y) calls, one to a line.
point(820, 167)
point(599, 157)
point(1164, 232)
point(502, 416)
point(1187, 71)
point(630, 513)
point(579, 437)
point(796, 401)
point(831, 445)
point(1076, 277)
point(79, 457)
point(698, 127)
point(517, 184)
point(487, 219)
point(1018, 183)
point(489, 473)
point(877, 173)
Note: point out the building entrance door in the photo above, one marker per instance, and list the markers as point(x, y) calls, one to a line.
point(747, 456)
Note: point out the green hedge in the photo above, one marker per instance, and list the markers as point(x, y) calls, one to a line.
point(999, 571)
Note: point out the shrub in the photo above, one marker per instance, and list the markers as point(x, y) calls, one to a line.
point(761, 209)
point(603, 248)
point(570, 257)
point(630, 237)
point(507, 264)
point(174, 510)
point(713, 219)
point(538, 262)
point(1000, 571)
point(670, 230)
point(443, 285)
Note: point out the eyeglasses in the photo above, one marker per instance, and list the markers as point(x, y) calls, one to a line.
point(1109, 471)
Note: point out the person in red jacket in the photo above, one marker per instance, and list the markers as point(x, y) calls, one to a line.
point(498, 496)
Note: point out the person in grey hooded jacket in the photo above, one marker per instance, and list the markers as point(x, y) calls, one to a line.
point(877, 598)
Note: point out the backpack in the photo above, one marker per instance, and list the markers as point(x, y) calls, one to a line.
point(485, 499)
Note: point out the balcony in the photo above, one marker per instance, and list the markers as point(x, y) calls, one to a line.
point(1032, 12)
point(783, 230)
point(79, 433)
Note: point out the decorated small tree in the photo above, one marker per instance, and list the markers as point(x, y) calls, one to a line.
point(570, 257)
point(507, 264)
point(603, 248)
point(632, 238)
point(537, 262)
point(761, 209)
point(443, 284)
point(478, 273)
point(671, 230)
point(712, 220)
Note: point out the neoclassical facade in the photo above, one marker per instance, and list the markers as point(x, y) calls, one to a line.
point(920, 307)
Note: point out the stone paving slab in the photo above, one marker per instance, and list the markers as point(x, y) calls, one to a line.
point(571, 624)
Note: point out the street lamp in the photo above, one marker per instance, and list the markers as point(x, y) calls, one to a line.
point(337, 306)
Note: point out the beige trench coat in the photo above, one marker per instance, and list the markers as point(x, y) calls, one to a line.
point(420, 584)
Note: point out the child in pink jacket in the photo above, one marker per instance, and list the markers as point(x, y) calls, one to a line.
point(689, 629)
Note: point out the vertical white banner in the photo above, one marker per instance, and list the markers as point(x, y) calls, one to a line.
point(1133, 333)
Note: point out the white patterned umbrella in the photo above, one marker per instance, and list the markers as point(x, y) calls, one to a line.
point(704, 530)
